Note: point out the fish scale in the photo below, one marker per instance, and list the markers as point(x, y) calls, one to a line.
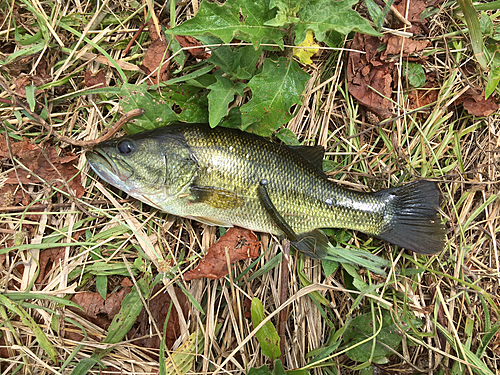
point(215, 176)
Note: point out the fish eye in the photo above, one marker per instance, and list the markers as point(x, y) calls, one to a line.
point(125, 147)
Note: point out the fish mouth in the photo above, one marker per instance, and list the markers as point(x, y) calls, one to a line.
point(105, 167)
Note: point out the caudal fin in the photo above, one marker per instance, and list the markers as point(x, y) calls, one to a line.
point(413, 219)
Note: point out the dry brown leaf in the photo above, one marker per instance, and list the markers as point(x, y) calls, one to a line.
point(397, 45)
point(98, 310)
point(370, 80)
point(49, 258)
point(418, 98)
point(189, 41)
point(156, 54)
point(40, 165)
point(95, 80)
point(475, 103)
point(158, 306)
point(238, 242)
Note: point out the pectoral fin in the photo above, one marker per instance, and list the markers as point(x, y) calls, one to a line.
point(215, 197)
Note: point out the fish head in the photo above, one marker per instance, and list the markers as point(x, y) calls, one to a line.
point(135, 164)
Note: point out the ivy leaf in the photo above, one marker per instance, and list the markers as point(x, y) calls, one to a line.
point(235, 19)
point(274, 91)
point(321, 16)
point(221, 94)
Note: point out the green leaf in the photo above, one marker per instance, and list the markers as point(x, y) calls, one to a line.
point(361, 328)
point(363, 258)
point(264, 370)
point(101, 283)
point(329, 267)
point(130, 309)
point(288, 137)
point(239, 19)
point(27, 320)
point(486, 24)
point(287, 12)
point(278, 368)
point(322, 16)
point(375, 13)
point(221, 94)
point(190, 100)
point(236, 62)
point(157, 113)
point(157, 106)
point(30, 96)
point(474, 27)
point(84, 366)
point(274, 91)
point(493, 80)
point(415, 74)
point(268, 337)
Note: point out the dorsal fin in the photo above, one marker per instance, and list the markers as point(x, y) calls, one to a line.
point(313, 154)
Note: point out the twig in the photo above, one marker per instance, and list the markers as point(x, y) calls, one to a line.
point(132, 41)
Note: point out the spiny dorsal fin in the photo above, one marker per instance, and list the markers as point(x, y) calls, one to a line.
point(313, 154)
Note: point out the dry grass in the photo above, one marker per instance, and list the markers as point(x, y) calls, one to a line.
point(454, 295)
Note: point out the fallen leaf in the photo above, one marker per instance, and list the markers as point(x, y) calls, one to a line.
point(156, 54)
point(369, 80)
point(240, 244)
point(49, 258)
point(397, 45)
point(98, 310)
point(39, 164)
point(413, 15)
point(158, 306)
point(189, 41)
point(475, 103)
point(95, 80)
point(305, 55)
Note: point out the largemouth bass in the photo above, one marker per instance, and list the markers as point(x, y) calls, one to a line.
point(228, 177)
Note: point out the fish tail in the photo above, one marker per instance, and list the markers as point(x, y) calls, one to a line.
point(412, 219)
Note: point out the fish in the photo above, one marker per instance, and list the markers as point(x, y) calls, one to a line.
point(228, 177)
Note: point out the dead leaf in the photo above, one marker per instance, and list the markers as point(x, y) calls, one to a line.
point(422, 97)
point(413, 15)
point(95, 80)
point(370, 80)
point(38, 163)
point(98, 310)
point(156, 54)
point(189, 41)
point(397, 45)
point(240, 244)
point(49, 258)
point(158, 306)
point(476, 105)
